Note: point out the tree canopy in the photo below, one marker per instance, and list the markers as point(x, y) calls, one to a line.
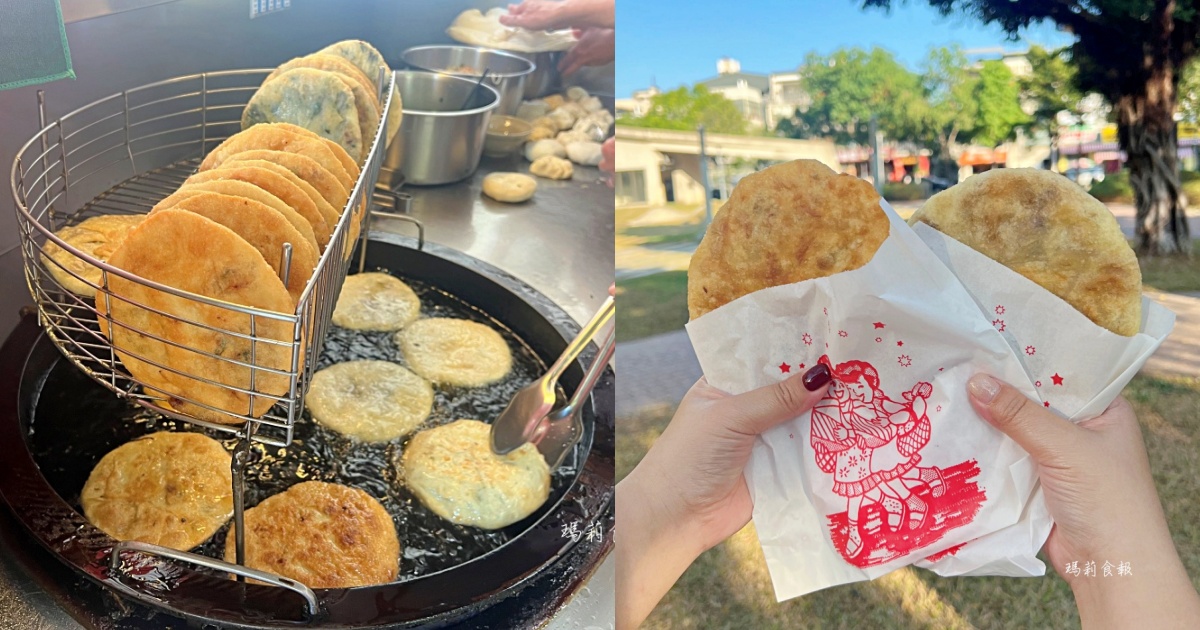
point(685, 109)
point(1050, 87)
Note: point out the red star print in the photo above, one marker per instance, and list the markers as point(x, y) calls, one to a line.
point(999, 324)
point(791, 437)
point(841, 333)
point(1030, 350)
point(900, 344)
point(785, 368)
point(800, 367)
point(878, 325)
point(999, 309)
point(1058, 380)
point(904, 360)
point(878, 339)
point(806, 338)
point(939, 407)
point(1046, 404)
point(940, 369)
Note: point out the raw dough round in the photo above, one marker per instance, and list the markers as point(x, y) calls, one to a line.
point(509, 187)
point(454, 472)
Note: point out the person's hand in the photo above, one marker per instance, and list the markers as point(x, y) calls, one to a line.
point(595, 47)
point(608, 157)
point(1098, 488)
point(537, 15)
point(689, 491)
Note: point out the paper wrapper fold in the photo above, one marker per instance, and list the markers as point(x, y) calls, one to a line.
point(921, 473)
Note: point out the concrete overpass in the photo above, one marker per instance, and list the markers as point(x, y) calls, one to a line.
point(646, 151)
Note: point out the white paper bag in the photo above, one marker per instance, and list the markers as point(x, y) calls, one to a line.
point(903, 336)
point(1077, 367)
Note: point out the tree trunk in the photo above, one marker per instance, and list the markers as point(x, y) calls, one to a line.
point(1146, 131)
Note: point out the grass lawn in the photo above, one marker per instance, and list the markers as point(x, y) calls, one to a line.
point(728, 587)
point(651, 305)
point(1173, 273)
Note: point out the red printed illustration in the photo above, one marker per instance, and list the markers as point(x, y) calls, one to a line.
point(871, 445)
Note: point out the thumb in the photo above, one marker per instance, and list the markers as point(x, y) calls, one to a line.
point(1042, 434)
point(760, 409)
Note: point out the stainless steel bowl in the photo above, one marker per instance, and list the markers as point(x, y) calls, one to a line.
point(440, 141)
point(508, 72)
point(545, 78)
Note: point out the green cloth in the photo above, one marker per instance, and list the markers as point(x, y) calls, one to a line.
point(33, 43)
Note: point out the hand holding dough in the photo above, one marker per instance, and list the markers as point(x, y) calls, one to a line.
point(509, 187)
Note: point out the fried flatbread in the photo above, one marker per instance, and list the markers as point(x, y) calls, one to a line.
point(263, 228)
point(375, 401)
point(454, 472)
point(187, 251)
point(169, 489)
point(455, 351)
point(305, 168)
point(366, 101)
point(323, 535)
point(317, 100)
point(327, 211)
point(97, 237)
point(282, 187)
point(1046, 228)
point(362, 55)
point(289, 138)
point(787, 223)
point(375, 301)
point(247, 190)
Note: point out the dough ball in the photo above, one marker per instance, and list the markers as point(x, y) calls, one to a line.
point(552, 167)
point(509, 187)
point(538, 148)
point(586, 153)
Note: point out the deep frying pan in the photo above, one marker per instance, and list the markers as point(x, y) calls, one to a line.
point(28, 362)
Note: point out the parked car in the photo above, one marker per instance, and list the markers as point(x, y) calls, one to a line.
point(1085, 175)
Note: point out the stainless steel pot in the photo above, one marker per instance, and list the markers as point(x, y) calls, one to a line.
point(440, 141)
point(508, 72)
point(545, 78)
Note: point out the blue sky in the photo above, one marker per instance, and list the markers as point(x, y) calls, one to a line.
point(676, 43)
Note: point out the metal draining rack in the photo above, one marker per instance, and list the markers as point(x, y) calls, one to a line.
point(121, 155)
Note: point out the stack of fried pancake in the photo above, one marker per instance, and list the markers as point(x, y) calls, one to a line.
point(799, 221)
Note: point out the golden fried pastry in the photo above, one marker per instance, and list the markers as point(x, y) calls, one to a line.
point(455, 351)
point(278, 185)
point(375, 301)
point(366, 102)
point(454, 472)
point(784, 224)
point(247, 190)
point(509, 187)
point(263, 228)
point(187, 251)
point(375, 401)
point(1046, 228)
point(323, 535)
point(289, 138)
point(306, 169)
point(317, 100)
point(97, 237)
point(327, 211)
point(169, 489)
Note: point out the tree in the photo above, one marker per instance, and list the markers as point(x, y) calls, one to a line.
point(1050, 88)
point(846, 89)
point(686, 109)
point(998, 98)
point(1132, 52)
point(1189, 92)
point(951, 111)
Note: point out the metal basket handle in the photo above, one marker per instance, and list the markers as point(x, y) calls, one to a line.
point(114, 567)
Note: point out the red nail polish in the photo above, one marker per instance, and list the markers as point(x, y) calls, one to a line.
point(816, 377)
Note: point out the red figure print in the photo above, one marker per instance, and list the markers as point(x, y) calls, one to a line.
point(871, 445)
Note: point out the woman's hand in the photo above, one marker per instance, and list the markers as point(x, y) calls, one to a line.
point(595, 47)
point(551, 15)
point(689, 492)
point(1098, 488)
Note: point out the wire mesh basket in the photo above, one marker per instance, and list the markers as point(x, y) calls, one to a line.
point(121, 155)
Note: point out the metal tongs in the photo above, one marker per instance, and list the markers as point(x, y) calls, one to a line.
point(531, 416)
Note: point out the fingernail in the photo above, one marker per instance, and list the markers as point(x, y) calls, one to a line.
point(983, 387)
point(816, 377)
